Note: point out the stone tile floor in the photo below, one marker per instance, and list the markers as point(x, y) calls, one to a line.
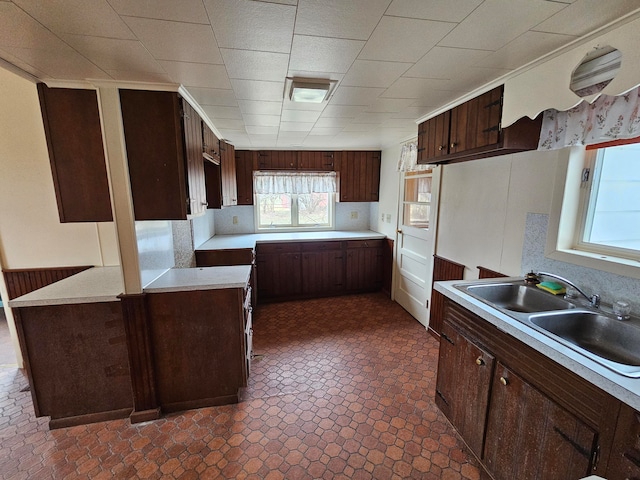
point(340, 388)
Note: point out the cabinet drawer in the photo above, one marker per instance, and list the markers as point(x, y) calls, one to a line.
point(223, 258)
point(364, 243)
point(321, 246)
point(284, 247)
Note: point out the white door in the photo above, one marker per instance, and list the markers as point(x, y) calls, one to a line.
point(417, 216)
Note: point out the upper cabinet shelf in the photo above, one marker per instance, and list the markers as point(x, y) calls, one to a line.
point(473, 130)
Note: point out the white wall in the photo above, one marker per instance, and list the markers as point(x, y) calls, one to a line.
point(389, 188)
point(483, 208)
point(31, 234)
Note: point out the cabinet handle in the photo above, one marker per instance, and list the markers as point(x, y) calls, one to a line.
point(504, 381)
point(454, 145)
point(444, 335)
point(479, 361)
point(204, 204)
point(441, 147)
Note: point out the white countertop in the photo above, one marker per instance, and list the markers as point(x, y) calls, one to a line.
point(200, 278)
point(623, 388)
point(97, 284)
point(249, 240)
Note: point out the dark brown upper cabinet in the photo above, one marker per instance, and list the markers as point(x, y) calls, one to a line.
point(359, 175)
point(246, 163)
point(277, 160)
point(317, 161)
point(473, 130)
point(228, 173)
point(76, 152)
point(163, 136)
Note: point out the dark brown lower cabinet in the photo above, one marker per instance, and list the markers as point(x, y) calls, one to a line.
point(531, 437)
point(523, 415)
point(201, 346)
point(315, 269)
point(463, 385)
point(76, 360)
point(624, 463)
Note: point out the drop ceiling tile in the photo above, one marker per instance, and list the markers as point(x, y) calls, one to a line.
point(399, 39)
point(476, 77)
point(248, 25)
point(262, 120)
point(346, 111)
point(372, 117)
point(213, 96)
point(252, 65)
point(321, 54)
point(441, 10)
point(496, 22)
point(261, 130)
point(415, 87)
point(190, 11)
point(325, 131)
point(17, 29)
point(436, 98)
point(229, 124)
point(25, 67)
point(258, 90)
point(183, 42)
point(334, 76)
point(446, 62)
point(370, 73)
point(405, 124)
point(524, 49)
point(300, 115)
point(287, 104)
point(63, 63)
point(197, 74)
point(355, 95)
point(583, 16)
point(360, 127)
point(282, 2)
point(263, 141)
point(319, 141)
point(147, 77)
point(114, 54)
point(354, 19)
point(332, 122)
point(296, 126)
point(80, 17)
point(256, 107)
point(388, 105)
point(215, 112)
point(411, 112)
point(238, 138)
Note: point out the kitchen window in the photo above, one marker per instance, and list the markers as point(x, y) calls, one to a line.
point(294, 200)
point(609, 213)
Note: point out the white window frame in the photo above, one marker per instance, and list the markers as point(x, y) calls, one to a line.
point(295, 226)
point(566, 220)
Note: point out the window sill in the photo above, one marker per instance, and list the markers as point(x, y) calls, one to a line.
point(607, 263)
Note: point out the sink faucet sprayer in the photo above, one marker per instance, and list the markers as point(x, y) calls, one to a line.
point(594, 299)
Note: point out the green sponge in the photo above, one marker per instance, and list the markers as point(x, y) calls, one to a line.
point(552, 287)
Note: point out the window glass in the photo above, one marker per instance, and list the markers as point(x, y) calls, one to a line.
point(612, 213)
point(417, 199)
point(298, 211)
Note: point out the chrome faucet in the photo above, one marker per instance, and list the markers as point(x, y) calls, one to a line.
point(594, 299)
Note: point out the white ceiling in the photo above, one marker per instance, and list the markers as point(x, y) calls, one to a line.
point(394, 60)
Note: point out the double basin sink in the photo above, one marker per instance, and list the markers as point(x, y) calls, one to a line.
point(593, 333)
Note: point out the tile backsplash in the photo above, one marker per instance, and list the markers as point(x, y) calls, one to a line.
point(609, 286)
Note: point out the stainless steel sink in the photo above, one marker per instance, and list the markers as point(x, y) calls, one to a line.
point(604, 337)
point(517, 297)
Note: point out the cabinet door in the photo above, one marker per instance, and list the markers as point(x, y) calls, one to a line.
point(476, 123)
point(277, 160)
point(359, 176)
point(246, 163)
point(279, 270)
point(74, 140)
point(210, 143)
point(228, 173)
point(155, 153)
point(364, 265)
point(433, 138)
point(463, 384)
point(531, 437)
point(317, 161)
point(323, 272)
point(213, 184)
point(192, 134)
point(624, 462)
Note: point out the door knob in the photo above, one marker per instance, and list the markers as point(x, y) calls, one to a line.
point(399, 231)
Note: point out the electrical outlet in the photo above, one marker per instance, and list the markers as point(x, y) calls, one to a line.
point(235, 220)
point(382, 217)
point(388, 218)
point(354, 215)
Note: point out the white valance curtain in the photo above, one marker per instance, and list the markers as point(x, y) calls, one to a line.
point(608, 118)
point(294, 182)
point(408, 161)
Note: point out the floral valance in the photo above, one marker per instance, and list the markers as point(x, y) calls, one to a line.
point(408, 161)
point(294, 182)
point(608, 118)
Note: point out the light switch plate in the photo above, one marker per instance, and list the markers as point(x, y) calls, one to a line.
point(354, 215)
